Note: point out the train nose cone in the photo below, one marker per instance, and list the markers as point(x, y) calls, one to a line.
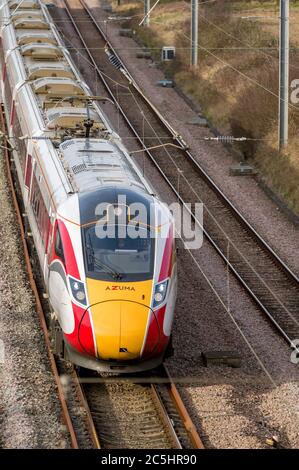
point(119, 328)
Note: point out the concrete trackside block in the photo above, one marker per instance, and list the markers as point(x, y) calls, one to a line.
point(143, 55)
point(229, 358)
point(153, 64)
point(198, 121)
point(127, 33)
point(165, 83)
point(242, 169)
point(107, 8)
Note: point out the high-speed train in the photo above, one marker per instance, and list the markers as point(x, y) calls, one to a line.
point(105, 242)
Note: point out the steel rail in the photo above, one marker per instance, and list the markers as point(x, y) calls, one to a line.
point(82, 398)
point(185, 417)
point(165, 418)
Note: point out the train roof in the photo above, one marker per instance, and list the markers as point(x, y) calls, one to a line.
point(58, 106)
point(98, 162)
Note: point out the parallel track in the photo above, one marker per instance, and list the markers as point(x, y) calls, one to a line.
point(268, 280)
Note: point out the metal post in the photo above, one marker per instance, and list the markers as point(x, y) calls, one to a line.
point(194, 33)
point(147, 7)
point(284, 74)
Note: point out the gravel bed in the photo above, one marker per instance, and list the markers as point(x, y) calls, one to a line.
point(29, 407)
point(245, 192)
point(233, 408)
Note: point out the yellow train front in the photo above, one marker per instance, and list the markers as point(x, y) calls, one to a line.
point(117, 260)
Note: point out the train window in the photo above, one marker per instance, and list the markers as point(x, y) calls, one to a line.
point(28, 171)
point(58, 246)
point(119, 257)
point(37, 208)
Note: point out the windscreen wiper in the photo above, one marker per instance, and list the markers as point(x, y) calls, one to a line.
point(100, 264)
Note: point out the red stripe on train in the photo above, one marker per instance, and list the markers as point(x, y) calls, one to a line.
point(166, 266)
point(12, 113)
point(4, 72)
point(82, 337)
point(69, 254)
point(156, 341)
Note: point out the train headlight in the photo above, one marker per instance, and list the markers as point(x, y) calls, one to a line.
point(78, 290)
point(160, 293)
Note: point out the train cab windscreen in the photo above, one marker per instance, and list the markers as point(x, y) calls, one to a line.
point(118, 255)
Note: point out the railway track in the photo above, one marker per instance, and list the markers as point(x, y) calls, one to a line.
point(141, 412)
point(114, 413)
point(267, 279)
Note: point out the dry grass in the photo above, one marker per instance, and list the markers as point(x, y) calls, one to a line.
point(231, 48)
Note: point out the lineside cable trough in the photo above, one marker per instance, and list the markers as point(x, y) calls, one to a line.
point(242, 169)
point(229, 358)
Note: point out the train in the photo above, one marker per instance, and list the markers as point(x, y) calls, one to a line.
point(105, 242)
